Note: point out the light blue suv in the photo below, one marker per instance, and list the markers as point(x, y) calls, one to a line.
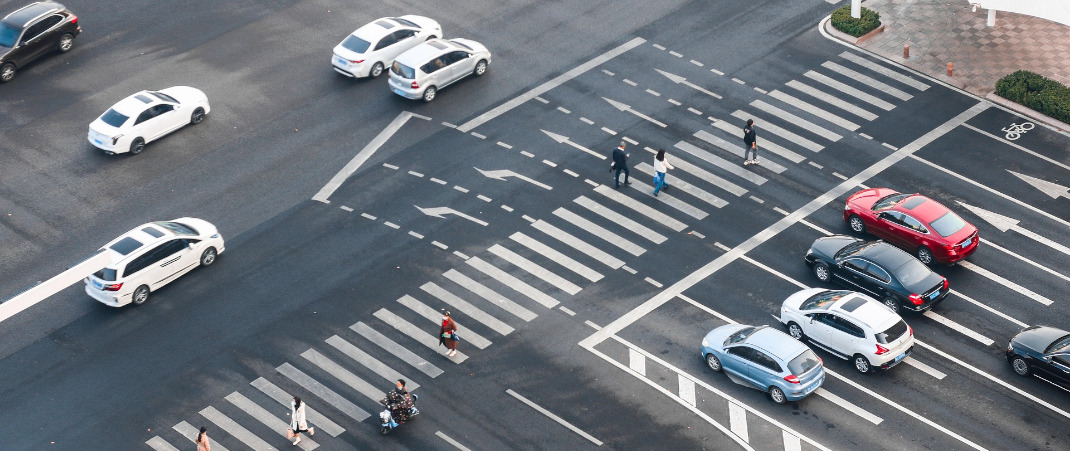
point(764, 358)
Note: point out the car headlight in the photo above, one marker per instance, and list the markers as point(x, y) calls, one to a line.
point(1010, 346)
point(846, 206)
point(705, 343)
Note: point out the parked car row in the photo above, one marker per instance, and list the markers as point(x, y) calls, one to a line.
point(865, 327)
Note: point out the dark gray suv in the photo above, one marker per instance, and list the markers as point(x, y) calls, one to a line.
point(34, 31)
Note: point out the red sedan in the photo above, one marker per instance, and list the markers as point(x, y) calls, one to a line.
point(912, 221)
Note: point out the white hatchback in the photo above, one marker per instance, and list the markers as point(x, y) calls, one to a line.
point(427, 68)
point(151, 256)
point(849, 325)
point(145, 117)
point(369, 50)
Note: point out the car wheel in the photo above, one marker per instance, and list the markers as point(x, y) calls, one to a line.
point(713, 362)
point(481, 68)
point(862, 364)
point(376, 71)
point(925, 255)
point(197, 116)
point(137, 146)
point(857, 224)
point(822, 272)
point(384, 430)
point(208, 256)
point(141, 294)
point(1020, 366)
point(66, 42)
point(777, 395)
point(891, 303)
point(7, 72)
point(795, 331)
point(429, 93)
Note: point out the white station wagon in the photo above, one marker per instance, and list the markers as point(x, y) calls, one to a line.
point(145, 117)
point(151, 256)
point(372, 48)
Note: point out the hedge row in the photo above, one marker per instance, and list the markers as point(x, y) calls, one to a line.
point(1035, 91)
point(842, 20)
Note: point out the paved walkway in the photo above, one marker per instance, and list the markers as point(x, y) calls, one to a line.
point(940, 31)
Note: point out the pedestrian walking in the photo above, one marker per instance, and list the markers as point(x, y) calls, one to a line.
point(202, 440)
point(750, 142)
point(661, 169)
point(447, 334)
point(620, 163)
point(298, 423)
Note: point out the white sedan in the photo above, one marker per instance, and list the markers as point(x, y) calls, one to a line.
point(145, 117)
point(369, 50)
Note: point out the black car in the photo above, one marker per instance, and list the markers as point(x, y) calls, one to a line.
point(1041, 351)
point(33, 31)
point(884, 271)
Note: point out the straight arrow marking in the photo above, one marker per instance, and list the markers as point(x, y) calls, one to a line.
point(1004, 223)
point(623, 107)
point(562, 139)
point(1052, 189)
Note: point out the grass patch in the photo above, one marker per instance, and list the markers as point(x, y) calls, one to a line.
point(842, 20)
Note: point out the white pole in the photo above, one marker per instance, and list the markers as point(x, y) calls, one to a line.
point(856, 9)
point(991, 18)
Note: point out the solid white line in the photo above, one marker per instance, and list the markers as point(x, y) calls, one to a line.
point(1007, 283)
point(766, 143)
point(737, 421)
point(361, 157)
point(791, 442)
point(572, 241)
point(641, 208)
point(187, 430)
point(708, 177)
point(958, 328)
point(620, 219)
point(707, 309)
point(435, 316)
point(343, 375)
point(553, 417)
point(773, 271)
point(653, 282)
point(637, 362)
point(777, 130)
point(734, 168)
point(797, 121)
point(688, 188)
point(236, 430)
point(418, 334)
point(867, 80)
point(46, 289)
point(399, 351)
point(873, 66)
point(687, 389)
point(851, 91)
point(809, 108)
point(670, 200)
point(358, 355)
point(467, 308)
point(989, 243)
point(451, 441)
point(994, 379)
point(282, 397)
point(159, 444)
point(990, 309)
point(737, 150)
point(534, 269)
point(848, 405)
point(831, 100)
point(512, 282)
point(490, 295)
point(557, 256)
point(557, 81)
point(599, 231)
point(567, 311)
point(270, 420)
point(923, 367)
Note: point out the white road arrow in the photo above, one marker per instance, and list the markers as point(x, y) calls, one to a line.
point(623, 107)
point(564, 140)
point(501, 174)
point(1052, 189)
point(681, 80)
point(1004, 223)
point(439, 211)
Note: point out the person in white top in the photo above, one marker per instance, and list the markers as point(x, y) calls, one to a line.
point(298, 424)
point(661, 167)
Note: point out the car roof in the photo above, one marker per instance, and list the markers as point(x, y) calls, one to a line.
point(870, 312)
point(424, 52)
point(376, 29)
point(135, 103)
point(884, 254)
point(146, 234)
point(27, 13)
point(775, 342)
point(922, 208)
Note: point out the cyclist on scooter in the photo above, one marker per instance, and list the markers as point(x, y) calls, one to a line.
point(399, 402)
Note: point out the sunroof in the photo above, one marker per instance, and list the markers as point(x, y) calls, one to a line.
point(914, 202)
point(126, 245)
point(143, 98)
point(437, 45)
point(152, 231)
point(853, 304)
point(385, 24)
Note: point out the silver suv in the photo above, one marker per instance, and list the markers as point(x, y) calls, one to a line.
point(423, 70)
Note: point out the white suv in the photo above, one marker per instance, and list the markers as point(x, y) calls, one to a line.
point(849, 325)
point(425, 69)
point(151, 256)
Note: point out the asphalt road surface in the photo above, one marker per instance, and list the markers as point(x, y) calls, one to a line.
point(581, 307)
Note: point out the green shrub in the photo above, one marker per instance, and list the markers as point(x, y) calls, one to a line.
point(1035, 91)
point(842, 20)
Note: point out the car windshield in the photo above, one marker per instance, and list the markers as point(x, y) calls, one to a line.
point(948, 224)
point(740, 335)
point(889, 201)
point(178, 229)
point(803, 363)
point(8, 35)
point(850, 249)
point(1062, 344)
point(912, 272)
point(823, 299)
point(356, 44)
point(114, 119)
point(893, 333)
point(164, 97)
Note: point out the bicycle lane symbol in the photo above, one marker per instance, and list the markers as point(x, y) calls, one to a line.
point(1015, 131)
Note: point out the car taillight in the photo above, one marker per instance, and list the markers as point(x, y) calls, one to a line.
point(115, 139)
point(949, 246)
point(113, 287)
point(791, 378)
point(911, 330)
point(881, 350)
point(916, 299)
point(74, 19)
point(415, 85)
point(356, 61)
point(945, 283)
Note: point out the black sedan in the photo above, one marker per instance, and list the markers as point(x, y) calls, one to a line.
point(1041, 351)
point(33, 31)
point(884, 271)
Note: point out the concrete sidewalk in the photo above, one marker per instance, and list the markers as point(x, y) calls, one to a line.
point(942, 31)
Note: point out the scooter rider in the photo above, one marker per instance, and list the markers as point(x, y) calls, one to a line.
point(399, 402)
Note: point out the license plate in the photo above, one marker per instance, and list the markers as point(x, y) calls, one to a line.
point(398, 91)
point(935, 295)
point(967, 242)
point(340, 61)
point(900, 357)
point(98, 284)
point(98, 141)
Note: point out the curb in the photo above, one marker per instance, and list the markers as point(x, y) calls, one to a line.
point(848, 38)
point(1026, 111)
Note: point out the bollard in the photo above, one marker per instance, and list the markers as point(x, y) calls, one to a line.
point(906, 51)
point(950, 67)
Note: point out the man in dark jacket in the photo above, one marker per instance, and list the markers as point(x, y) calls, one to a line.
point(750, 141)
point(620, 163)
